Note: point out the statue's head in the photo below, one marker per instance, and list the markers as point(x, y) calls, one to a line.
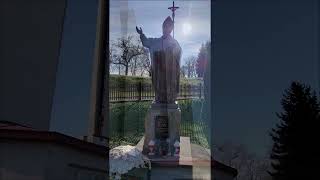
point(167, 26)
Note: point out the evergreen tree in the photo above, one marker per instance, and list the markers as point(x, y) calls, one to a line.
point(294, 138)
point(203, 58)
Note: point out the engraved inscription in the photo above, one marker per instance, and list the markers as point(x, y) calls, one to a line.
point(162, 127)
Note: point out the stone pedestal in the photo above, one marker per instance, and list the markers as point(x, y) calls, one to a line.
point(171, 167)
point(162, 126)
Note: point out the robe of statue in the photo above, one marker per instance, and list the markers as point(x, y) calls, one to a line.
point(165, 54)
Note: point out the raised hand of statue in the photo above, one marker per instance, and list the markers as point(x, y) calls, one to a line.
point(139, 31)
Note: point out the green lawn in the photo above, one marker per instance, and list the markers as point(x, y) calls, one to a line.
point(127, 122)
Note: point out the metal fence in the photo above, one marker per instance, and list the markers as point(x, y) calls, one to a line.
point(144, 92)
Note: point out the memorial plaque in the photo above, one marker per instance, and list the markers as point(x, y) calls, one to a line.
point(162, 127)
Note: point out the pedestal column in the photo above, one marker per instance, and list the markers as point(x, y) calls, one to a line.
point(162, 125)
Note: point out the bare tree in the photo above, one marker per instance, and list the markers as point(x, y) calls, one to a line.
point(128, 49)
point(183, 71)
point(140, 65)
point(134, 65)
point(146, 64)
point(249, 166)
point(114, 64)
point(190, 64)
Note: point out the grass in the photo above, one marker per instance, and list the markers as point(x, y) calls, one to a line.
point(127, 122)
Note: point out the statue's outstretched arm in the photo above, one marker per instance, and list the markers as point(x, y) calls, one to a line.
point(146, 42)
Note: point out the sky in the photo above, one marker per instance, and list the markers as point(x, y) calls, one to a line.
point(192, 21)
point(260, 47)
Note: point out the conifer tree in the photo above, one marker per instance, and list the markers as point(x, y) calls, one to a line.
point(294, 138)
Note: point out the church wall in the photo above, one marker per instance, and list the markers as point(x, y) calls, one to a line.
point(75, 164)
point(22, 164)
point(30, 33)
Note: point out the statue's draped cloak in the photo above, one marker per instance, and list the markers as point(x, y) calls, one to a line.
point(165, 54)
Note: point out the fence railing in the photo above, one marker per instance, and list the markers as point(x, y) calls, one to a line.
point(144, 92)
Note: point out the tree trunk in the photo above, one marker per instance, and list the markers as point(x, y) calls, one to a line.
point(126, 72)
point(134, 68)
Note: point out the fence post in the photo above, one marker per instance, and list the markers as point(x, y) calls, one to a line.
point(185, 91)
point(139, 91)
point(200, 90)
